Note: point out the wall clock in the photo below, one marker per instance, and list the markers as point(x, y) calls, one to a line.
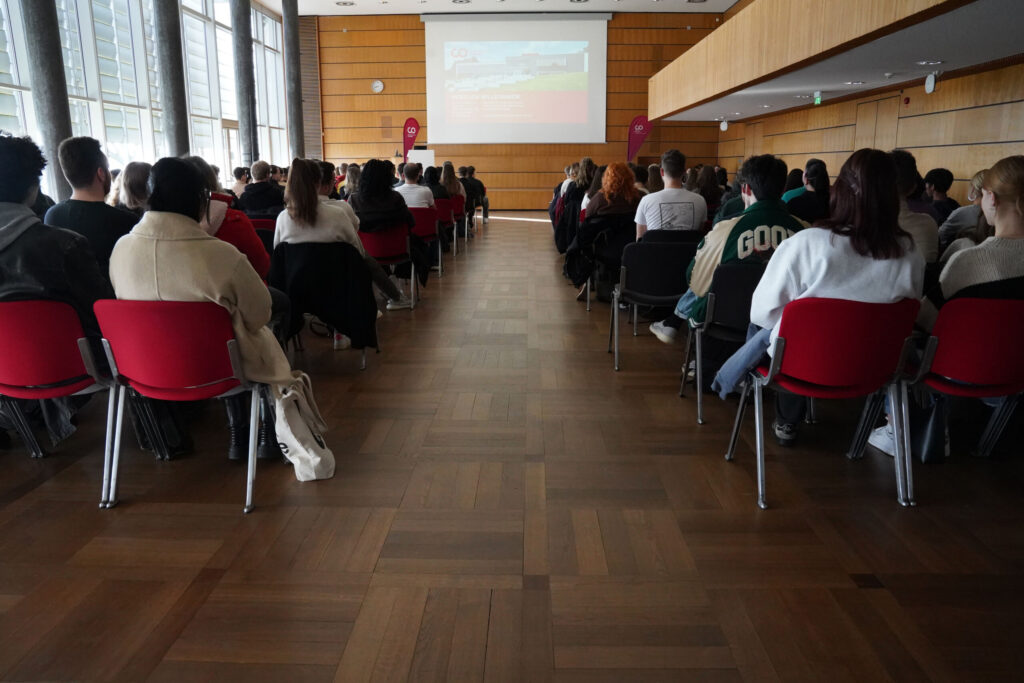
point(377, 86)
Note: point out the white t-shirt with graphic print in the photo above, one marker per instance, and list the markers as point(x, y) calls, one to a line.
point(672, 209)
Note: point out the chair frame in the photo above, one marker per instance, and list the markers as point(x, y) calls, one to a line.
point(436, 240)
point(111, 463)
point(898, 397)
point(413, 288)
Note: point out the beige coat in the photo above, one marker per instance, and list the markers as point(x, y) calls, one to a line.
point(168, 257)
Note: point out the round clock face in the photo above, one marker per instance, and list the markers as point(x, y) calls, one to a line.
point(377, 86)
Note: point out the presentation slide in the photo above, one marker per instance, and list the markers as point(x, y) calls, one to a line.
point(516, 81)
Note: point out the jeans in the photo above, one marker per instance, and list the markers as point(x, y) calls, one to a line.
point(735, 370)
point(684, 304)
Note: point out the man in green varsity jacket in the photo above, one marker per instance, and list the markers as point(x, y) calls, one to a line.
point(751, 236)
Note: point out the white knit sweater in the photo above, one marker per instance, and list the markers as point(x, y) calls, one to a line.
point(997, 258)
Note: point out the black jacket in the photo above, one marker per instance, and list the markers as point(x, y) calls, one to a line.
point(263, 200)
point(331, 281)
point(38, 261)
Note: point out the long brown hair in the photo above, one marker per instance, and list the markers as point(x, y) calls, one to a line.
point(707, 186)
point(865, 205)
point(301, 196)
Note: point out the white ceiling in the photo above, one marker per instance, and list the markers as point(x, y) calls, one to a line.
point(329, 7)
point(983, 31)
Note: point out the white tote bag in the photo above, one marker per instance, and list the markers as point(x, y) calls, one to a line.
point(300, 430)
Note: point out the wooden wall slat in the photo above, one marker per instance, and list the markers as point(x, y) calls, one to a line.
point(358, 125)
point(309, 67)
point(966, 125)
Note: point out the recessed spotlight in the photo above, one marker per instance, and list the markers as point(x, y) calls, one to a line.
point(930, 62)
point(461, 2)
point(345, 3)
point(576, 2)
point(737, 113)
point(802, 97)
point(853, 82)
point(766, 106)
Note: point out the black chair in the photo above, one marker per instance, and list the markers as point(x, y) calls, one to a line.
point(673, 236)
point(267, 237)
point(599, 240)
point(651, 275)
point(727, 317)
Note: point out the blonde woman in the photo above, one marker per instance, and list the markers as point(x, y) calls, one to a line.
point(130, 192)
point(450, 181)
point(966, 219)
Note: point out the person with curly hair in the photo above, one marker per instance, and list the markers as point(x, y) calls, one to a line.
point(618, 192)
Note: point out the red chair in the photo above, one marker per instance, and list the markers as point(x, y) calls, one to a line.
point(459, 215)
point(426, 229)
point(172, 351)
point(44, 354)
point(974, 352)
point(264, 224)
point(833, 348)
point(446, 217)
point(390, 247)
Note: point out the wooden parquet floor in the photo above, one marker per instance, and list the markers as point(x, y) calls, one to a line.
point(508, 508)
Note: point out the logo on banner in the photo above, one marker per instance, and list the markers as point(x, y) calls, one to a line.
point(412, 129)
point(639, 129)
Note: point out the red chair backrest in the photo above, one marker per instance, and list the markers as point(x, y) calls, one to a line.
point(979, 342)
point(445, 213)
point(426, 222)
point(458, 206)
point(389, 245)
point(169, 344)
point(264, 223)
point(39, 347)
point(840, 343)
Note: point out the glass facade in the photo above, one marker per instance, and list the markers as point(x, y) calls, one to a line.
point(109, 52)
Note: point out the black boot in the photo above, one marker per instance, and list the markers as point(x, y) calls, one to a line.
point(238, 427)
point(267, 447)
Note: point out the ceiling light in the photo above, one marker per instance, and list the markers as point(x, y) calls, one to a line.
point(802, 97)
point(737, 113)
point(766, 106)
point(930, 62)
point(345, 3)
point(853, 82)
point(461, 2)
point(578, 1)
point(696, 1)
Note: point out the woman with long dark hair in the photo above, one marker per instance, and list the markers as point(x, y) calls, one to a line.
point(860, 253)
point(813, 204)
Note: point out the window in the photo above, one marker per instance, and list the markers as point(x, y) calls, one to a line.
point(123, 128)
point(10, 112)
point(197, 74)
point(7, 70)
point(114, 51)
point(71, 45)
point(226, 75)
point(151, 68)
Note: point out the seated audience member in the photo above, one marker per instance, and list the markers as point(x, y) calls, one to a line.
point(722, 176)
point(227, 224)
point(752, 237)
point(673, 208)
point(692, 176)
point(707, 187)
point(38, 261)
point(87, 213)
point(572, 202)
point(800, 187)
point(732, 205)
point(327, 167)
point(920, 226)
point(860, 254)
point(812, 205)
point(401, 175)
point(998, 261)
point(130, 192)
point(595, 187)
point(906, 165)
point(376, 203)
point(339, 181)
point(242, 178)
point(481, 193)
point(794, 180)
point(432, 181)
point(653, 181)
point(276, 175)
point(967, 221)
point(574, 168)
point(414, 194)
point(450, 181)
point(936, 184)
point(169, 257)
point(617, 193)
point(352, 175)
point(261, 197)
point(311, 216)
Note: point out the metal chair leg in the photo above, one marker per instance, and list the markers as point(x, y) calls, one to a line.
point(611, 320)
point(254, 420)
point(440, 259)
point(908, 459)
point(412, 286)
point(902, 443)
point(869, 416)
point(615, 330)
point(686, 361)
point(738, 423)
point(108, 445)
point(588, 294)
point(362, 365)
point(636, 319)
point(759, 439)
point(23, 428)
point(116, 457)
point(811, 417)
point(996, 424)
point(700, 377)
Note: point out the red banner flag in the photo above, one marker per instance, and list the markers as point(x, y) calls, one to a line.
point(409, 133)
point(639, 129)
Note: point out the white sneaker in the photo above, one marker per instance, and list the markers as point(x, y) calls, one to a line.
point(884, 440)
point(399, 304)
point(341, 342)
point(663, 332)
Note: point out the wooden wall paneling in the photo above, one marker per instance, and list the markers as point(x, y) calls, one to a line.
point(963, 160)
point(754, 139)
point(359, 125)
point(989, 87)
point(837, 139)
point(978, 125)
point(867, 116)
point(886, 123)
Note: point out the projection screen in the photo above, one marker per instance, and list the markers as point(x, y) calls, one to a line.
point(515, 78)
